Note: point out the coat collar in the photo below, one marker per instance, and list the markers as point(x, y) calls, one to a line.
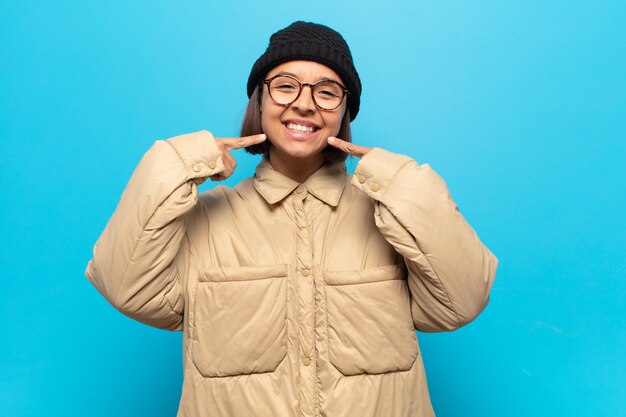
point(327, 183)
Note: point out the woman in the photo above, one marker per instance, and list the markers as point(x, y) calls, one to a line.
point(299, 291)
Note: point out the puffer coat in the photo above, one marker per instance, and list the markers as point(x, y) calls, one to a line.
point(294, 299)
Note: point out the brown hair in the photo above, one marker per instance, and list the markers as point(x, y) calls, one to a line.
point(251, 125)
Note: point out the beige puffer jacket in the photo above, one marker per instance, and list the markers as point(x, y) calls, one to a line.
point(294, 299)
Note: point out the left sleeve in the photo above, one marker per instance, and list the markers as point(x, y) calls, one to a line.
point(450, 271)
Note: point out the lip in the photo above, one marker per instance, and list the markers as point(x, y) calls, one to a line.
point(303, 122)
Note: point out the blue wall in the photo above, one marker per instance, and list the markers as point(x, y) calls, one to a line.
point(520, 106)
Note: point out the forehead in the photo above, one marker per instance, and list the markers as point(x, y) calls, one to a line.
point(307, 71)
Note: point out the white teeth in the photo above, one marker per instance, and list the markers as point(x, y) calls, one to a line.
point(300, 128)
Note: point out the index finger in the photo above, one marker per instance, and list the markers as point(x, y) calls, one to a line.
point(242, 142)
point(349, 147)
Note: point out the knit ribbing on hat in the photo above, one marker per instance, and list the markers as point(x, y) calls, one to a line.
point(310, 42)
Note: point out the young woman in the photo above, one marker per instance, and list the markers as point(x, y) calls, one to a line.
point(298, 291)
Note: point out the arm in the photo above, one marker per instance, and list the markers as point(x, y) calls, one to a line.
point(141, 258)
point(450, 272)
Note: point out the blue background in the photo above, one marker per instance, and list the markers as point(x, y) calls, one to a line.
point(520, 106)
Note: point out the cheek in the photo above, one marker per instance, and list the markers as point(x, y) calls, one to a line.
point(334, 123)
point(270, 115)
point(265, 118)
point(269, 123)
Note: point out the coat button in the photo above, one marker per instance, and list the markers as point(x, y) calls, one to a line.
point(197, 167)
point(306, 272)
point(300, 189)
point(375, 187)
point(306, 361)
point(212, 164)
point(361, 178)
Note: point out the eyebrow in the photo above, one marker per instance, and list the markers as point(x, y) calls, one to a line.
point(296, 77)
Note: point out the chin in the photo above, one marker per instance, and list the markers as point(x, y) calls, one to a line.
point(298, 151)
point(301, 154)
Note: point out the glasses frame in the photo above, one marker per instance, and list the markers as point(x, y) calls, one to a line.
point(302, 85)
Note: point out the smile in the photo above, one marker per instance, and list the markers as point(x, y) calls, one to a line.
point(300, 128)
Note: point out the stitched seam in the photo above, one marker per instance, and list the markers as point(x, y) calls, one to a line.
point(364, 282)
point(192, 325)
point(167, 300)
point(379, 373)
point(240, 375)
point(238, 280)
point(314, 349)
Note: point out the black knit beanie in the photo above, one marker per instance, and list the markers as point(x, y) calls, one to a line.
point(310, 42)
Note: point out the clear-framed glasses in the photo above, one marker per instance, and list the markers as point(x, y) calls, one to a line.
point(285, 89)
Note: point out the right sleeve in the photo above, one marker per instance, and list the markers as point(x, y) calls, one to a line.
point(141, 259)
point(450, 271)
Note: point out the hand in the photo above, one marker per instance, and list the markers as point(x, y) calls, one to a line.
point(349, 147)
point(225, 145)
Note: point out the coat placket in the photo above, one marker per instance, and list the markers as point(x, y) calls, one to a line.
point(305, 291)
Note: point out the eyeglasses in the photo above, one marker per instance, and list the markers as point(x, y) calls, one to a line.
point(285, 89)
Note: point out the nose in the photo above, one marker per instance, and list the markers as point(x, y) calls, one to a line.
point(305, 102)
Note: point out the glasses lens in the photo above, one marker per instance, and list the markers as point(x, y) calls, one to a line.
point(284, 90)
point(328, 94)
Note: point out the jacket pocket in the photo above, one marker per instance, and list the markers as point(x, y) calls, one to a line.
point(239, 322)
point(370, 329)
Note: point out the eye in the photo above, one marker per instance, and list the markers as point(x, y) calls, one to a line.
point(328, 93)
point(285, 87)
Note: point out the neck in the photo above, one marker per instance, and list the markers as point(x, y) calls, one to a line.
point(298, 169)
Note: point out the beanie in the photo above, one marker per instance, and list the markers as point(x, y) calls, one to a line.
point(310, 42)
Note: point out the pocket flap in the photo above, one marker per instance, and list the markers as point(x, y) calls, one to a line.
point(242, 273)
point(381, 273)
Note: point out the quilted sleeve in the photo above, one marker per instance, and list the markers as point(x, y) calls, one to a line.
point(140, 261)
point(450, 271)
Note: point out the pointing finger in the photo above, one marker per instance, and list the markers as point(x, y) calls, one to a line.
point(242, 142)
point(349, 147)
